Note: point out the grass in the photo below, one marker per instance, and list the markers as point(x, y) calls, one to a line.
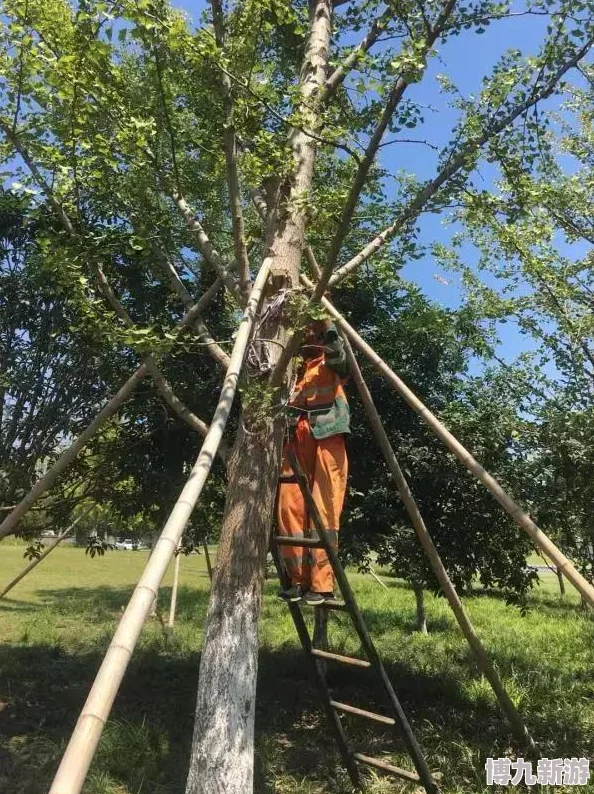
point(56, 624)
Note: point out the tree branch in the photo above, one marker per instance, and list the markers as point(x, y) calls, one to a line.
point(179, 288)
point(178, 407)
point(394, 97)
point(206, 248)
point(230, 144)
point(454, 165)
point(17, 144)
point(338, 75)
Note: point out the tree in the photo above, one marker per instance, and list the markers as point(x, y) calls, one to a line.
point(534, 236)
point(51, 376)
point(431, 348)
point(147, 150)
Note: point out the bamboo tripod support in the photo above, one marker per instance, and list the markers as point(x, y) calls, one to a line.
point(81, 748)
point(539, 538)
point(34, 563)
point(173, 604)
point(483, 662)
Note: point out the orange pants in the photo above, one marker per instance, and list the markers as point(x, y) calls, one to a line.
point(325, 464)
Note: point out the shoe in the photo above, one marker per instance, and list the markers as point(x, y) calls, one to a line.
point(292, 594)
point(315, 599)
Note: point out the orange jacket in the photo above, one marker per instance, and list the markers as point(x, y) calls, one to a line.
point(320, 397)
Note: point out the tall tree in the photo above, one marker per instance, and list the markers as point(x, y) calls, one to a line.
point(160, 148)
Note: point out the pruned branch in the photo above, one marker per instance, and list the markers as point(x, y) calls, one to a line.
point(453, 166)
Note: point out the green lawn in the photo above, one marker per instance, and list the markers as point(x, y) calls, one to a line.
point(56, 624)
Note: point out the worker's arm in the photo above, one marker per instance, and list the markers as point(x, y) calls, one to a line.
point(334, 354)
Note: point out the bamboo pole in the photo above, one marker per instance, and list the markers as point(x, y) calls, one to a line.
point(34, 563)
point(480, 655)
point(173, 603)
point(207, 558)
point(539, 538)
point(41, 486)
point(378, 580)
point(81, 748)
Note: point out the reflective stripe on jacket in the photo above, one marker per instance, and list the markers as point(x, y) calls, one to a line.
point(319, 395)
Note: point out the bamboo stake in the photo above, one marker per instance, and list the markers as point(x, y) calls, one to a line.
point(41, 486)
point(207, 558)
point(73, 769)
point(173, 604)
point(34, 563)
point(480, 655)
point(539, 538)
point(378, 580)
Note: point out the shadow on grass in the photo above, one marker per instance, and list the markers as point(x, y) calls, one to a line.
point(147, 742)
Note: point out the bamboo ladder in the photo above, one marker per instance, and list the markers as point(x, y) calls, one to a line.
point(318, 657)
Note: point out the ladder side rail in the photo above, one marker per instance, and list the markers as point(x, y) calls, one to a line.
point(331, 714)
point(410, 740)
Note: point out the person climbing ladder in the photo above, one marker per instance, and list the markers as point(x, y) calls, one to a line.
point(319, 421)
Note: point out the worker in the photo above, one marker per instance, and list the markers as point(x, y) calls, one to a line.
point(318, 422)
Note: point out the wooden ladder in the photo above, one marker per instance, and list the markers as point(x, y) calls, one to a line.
point(318, 658)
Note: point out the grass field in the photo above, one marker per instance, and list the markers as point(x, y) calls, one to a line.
point(56, 624)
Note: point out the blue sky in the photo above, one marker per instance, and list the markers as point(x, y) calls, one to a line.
point(465, 60)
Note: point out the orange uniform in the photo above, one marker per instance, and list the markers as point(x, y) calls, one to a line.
point(318, 442)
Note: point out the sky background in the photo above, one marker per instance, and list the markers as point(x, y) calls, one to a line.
point(465, 60)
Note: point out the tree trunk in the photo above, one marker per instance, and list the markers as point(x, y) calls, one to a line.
point(561, 581)
point(421, 624)
point(222, 747)
point(222, 758)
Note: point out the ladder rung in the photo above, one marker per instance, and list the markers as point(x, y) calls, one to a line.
point(285, 540)
point(385, 767)
point(370, 715)
point(336, 657)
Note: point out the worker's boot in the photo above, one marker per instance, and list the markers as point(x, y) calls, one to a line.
point(293, 593)
point(315, 599)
